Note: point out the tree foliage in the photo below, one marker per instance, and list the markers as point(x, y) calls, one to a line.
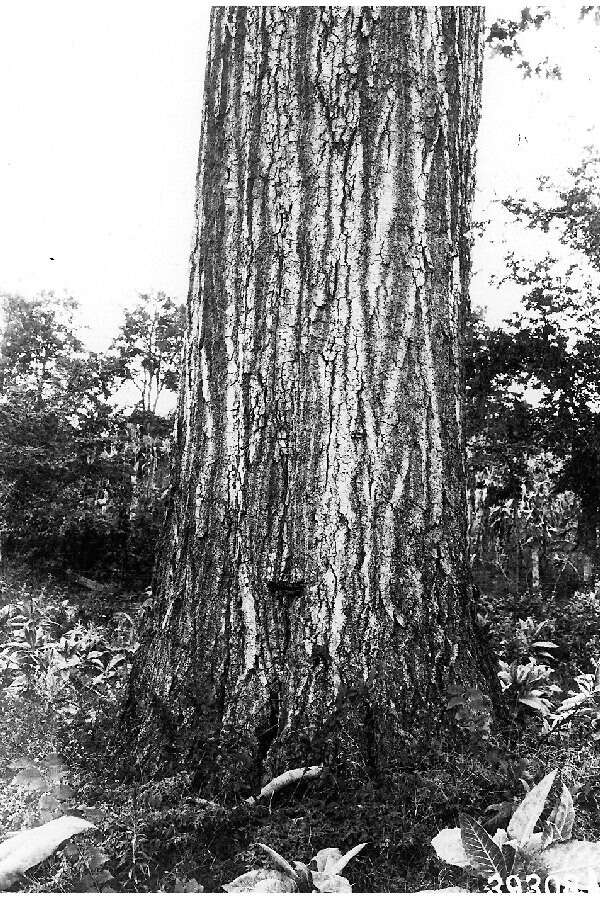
point(147, 349)
point(503, 39)
point(82, 479)
point(534, 381)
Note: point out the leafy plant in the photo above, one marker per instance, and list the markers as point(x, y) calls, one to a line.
point(582, 704)
point(528, 684)
point(521, 852)
point(529, 639)
point(147, 349)
point(472, 710)
point(322, 875)
point(579, 627)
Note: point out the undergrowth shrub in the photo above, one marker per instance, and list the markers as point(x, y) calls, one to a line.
point(520, 857)
point(49, 651)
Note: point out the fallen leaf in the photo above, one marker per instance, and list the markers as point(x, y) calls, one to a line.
point(449, 847)
point(269, 881)
point(32, 846)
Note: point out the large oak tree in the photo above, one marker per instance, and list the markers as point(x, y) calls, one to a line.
point(312, 594)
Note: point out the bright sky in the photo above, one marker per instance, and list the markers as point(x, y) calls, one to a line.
point(529, 128)
point(100, 108)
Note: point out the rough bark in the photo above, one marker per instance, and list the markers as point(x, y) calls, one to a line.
point(313, 591)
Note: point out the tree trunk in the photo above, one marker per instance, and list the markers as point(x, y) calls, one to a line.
point(313, 593)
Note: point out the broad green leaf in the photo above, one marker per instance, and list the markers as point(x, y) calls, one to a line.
point(527, 813)
point(303, 877)
point(327, 883)
point(549, 834)
point(575, 861)
point(562, 816)
point(278, 860)
point(449, 847)
point(115, 661)
point(325, 859)
point(269, 881)
point(500, 837)
point(484, 855)
point(534, 844)
point(340, 865)
point(537, 703)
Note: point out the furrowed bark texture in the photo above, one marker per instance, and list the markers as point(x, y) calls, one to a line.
point(314, 556)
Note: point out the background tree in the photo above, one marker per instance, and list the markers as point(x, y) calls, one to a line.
point(503, 40)
point(38, 343)
point(147, 349)
point(145, 359)
point(82, 482)
point(312, 593)
point(534, 381)
point(53, 400)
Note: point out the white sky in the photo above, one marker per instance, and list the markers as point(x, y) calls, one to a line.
point(100, 106)
point(531, 127)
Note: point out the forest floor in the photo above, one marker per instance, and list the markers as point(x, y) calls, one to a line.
point(64, 658)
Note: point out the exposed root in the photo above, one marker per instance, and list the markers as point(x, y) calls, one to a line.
point(284, 780)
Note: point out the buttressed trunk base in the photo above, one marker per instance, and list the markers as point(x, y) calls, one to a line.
point(312, 591)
